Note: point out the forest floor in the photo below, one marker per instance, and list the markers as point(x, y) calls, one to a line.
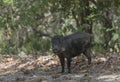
point(104, 68)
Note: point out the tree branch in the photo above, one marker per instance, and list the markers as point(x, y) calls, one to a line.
point(74, 16)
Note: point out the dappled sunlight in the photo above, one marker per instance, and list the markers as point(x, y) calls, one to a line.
point(110, 78)
point(37, 68)
point(36, 36)
point(8, 65)
point(40, 63)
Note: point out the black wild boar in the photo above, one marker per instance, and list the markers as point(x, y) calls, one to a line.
point(70, 46)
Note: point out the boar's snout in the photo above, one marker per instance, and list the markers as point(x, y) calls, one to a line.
point(56, 50)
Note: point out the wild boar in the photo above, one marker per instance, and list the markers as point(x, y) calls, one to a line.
point(70, 46)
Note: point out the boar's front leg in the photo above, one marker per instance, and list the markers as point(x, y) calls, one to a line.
point(62, 61)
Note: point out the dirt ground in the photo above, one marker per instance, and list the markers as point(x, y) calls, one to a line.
point(104, 68)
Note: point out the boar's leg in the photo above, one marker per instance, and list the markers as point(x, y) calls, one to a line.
point(88, 55)
point(69, 64)
point(62, 61)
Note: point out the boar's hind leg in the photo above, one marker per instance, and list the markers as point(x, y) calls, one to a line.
point(62, 61)
point(69, 64)
point(87, 53)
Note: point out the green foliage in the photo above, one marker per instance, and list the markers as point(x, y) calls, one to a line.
point(98, 48)
point(114, 43)
point(8, 1)
point(26, 25)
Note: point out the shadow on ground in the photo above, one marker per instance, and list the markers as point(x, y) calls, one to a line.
point(36, 69)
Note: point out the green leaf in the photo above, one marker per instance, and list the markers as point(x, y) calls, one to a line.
point(115, 37)
point(8, 1)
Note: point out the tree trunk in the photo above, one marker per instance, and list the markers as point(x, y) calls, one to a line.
point(108, 25)
point(85, 13)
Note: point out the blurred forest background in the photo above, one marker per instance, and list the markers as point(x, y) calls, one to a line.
point(27, 25)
